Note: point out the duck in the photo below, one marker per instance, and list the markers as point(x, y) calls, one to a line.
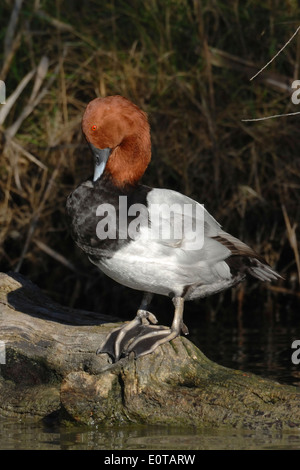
point(153, 240)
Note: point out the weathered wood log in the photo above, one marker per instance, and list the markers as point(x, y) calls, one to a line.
point(51, 369)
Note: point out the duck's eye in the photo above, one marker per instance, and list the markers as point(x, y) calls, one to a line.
point(94, 127)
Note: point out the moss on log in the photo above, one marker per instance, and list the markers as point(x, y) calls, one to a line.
point(51, 369)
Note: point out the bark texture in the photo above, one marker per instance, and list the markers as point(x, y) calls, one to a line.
point(51, 369)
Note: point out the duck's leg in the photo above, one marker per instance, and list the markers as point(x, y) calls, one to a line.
point(153, 336)
point(118, 340)
point(141, 336)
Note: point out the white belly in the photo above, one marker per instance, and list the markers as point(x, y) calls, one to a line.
point(144, 276)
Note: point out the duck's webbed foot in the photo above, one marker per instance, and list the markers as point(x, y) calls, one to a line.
point(142, 336)
point(118, 342)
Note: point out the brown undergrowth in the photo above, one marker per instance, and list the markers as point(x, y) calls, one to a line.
point(187, 64)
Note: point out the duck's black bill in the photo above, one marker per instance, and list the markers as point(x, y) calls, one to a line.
point(100, 159)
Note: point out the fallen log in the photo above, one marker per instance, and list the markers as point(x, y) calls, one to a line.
point(51, 369)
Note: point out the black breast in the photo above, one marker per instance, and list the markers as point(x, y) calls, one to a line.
point(82, 218)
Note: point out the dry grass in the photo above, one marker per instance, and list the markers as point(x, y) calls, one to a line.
point(188, 64)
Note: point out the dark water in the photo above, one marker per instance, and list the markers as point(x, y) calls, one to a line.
point(38, 436)
point(253, 342)
point(264, 349)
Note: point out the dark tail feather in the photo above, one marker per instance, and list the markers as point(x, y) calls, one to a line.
point(262, 271)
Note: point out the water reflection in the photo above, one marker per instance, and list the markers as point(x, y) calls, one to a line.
point(255, 342)
point(265, 352)
point(37, 436)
